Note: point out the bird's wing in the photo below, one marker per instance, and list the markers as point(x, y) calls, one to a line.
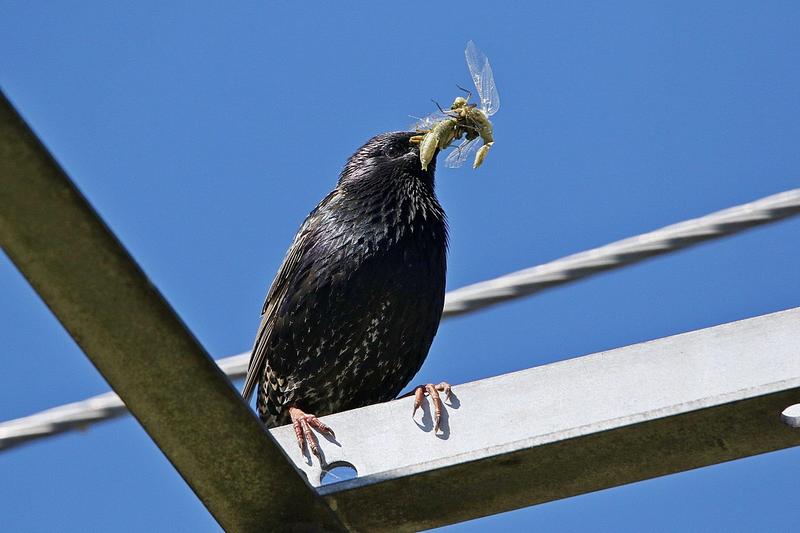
point(276, 296)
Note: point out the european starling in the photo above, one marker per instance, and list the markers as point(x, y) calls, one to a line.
point(355, 305)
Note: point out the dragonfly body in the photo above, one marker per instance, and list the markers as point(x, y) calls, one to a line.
point(477, 124)
point(439, 137)
point(463, 120)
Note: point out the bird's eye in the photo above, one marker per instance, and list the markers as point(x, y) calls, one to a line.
point(393, 151)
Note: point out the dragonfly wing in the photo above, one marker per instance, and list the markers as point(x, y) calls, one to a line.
point(426, 123)
point(461, 153)
point(483, 78)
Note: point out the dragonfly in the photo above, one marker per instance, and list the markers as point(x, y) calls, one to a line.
point(466, 121)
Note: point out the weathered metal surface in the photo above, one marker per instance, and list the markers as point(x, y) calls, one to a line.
point(141, 347)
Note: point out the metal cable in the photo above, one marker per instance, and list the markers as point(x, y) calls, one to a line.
point(80, 415)
point(622, 253)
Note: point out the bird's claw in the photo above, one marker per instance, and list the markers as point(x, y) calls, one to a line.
point(302, 424)
point(433, 391)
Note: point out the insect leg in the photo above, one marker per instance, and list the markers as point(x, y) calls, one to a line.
point(481, 154)
point(469, 93)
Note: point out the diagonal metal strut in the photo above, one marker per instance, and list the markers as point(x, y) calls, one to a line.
point(141, 347)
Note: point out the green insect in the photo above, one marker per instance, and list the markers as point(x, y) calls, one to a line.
point(462, 120)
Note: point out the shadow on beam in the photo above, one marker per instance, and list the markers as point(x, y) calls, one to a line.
point(568, 428)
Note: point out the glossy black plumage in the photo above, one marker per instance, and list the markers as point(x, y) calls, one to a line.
point(353, 310)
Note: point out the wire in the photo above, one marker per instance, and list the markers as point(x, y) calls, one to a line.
point(82, 414)
point(622, 253)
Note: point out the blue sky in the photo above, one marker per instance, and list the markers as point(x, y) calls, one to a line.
point(203, 133)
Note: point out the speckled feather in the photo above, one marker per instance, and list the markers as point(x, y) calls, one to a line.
point(355, 305)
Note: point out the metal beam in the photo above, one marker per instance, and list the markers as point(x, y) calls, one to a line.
point(141, 347)
point(567, 428)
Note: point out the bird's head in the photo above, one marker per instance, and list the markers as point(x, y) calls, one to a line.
point(387, 156)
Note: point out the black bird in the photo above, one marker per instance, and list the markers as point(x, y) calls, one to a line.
point(355, 305)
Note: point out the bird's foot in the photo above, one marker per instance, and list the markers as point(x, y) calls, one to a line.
point(302, 423)
point(432, 391)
